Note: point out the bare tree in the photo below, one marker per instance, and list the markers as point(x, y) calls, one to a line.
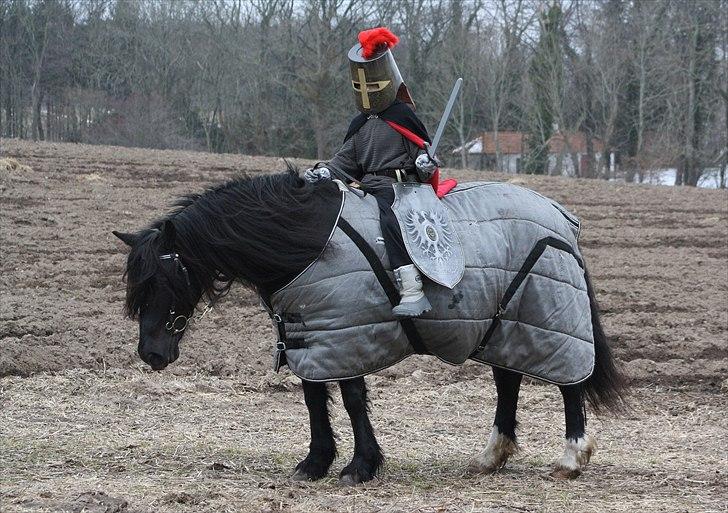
point(723, 89)
point(270, 76)
point(506, 65)
point(697, 35)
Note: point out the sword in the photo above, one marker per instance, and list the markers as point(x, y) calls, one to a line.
point(432, 148)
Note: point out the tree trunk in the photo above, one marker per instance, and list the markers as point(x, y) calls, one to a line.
point(590, 160)
point(8, 130)
point(498, 156)
point(689, 170)
point(319, 132)
point(637, 161)
point(49, 121)
point(462, 141)
point(680, 171)
point(725, 150)
point(36, 94)
point(34, 108)
point(37, 120)
point(559, 167)
point(576, 164)
point(724, 94)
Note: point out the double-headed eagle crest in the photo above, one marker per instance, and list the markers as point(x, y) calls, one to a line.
point(430, 231)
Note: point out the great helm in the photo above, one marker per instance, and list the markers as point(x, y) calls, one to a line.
point(375, 76)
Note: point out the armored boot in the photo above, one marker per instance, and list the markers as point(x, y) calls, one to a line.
point(414, 302)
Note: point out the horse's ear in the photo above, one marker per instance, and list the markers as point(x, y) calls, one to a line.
point(168, 234)
point(127, 238)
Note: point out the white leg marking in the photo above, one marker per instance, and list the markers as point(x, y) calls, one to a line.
point(495, 456)
point(576, 455)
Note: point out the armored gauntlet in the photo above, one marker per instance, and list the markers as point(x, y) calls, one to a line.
point(425, 167)
point(314, 175)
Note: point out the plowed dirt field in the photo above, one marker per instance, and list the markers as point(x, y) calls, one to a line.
point(86, 427)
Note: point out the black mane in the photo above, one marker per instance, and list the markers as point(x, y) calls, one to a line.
point(261, 231)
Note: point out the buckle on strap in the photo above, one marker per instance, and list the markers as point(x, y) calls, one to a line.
point(280, 357)
point(281, 329)
point(401, 175)
point(499, 313)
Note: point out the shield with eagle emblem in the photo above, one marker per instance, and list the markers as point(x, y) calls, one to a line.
point(428, 234)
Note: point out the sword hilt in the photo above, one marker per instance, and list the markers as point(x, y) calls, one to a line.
point(427, 150)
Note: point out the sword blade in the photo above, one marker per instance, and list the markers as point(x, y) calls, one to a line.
point(445, 116)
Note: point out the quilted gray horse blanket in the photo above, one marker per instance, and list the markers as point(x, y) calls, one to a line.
point(522, 303)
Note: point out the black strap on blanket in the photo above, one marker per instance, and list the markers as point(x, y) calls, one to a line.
point(279, 360)
point(526, 268)
point(389, 289)
point(284, 342)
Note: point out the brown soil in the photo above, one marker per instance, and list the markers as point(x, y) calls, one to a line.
point(101, 433)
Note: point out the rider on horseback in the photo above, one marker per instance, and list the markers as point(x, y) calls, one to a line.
point(380, 148)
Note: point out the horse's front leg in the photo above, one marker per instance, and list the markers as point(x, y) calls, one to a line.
point(368, 456)
point(579, 446)
point(322, 450)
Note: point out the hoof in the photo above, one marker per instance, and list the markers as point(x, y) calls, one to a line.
point(355, 479)
point(356, 473)
point(312, 468)
point(565, 473)
point(495, 456)
point(300, 475)
point(348, 480)
point(480, 465)
point(577, 454)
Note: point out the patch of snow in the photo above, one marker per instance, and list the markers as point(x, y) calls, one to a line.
point(474, 146)
point(710, 178)
point(658, 177)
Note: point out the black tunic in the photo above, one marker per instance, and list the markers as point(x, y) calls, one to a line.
point(371, 145)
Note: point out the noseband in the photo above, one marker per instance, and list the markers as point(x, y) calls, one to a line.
point(176, 323)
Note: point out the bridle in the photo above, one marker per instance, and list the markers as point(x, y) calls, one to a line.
point(178, 323)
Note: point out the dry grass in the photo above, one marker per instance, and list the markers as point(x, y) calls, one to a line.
point(116, 439)
point(158, 442)
point(8, 164)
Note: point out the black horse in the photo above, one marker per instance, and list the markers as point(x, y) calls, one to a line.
point(262, 232)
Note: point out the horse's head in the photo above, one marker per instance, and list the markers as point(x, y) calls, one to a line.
point(161, 292)
point(260, 231)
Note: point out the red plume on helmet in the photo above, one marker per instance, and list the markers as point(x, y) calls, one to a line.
point(372, 41)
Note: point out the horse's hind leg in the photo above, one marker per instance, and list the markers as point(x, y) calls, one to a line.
point(367, 454)
point(322, 450)
point(502, 441)
point(579, 446)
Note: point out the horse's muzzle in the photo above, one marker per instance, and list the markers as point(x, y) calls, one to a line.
point(156, 362)
point(159, 352)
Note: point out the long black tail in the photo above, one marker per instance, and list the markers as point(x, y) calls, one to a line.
point(606, 387)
